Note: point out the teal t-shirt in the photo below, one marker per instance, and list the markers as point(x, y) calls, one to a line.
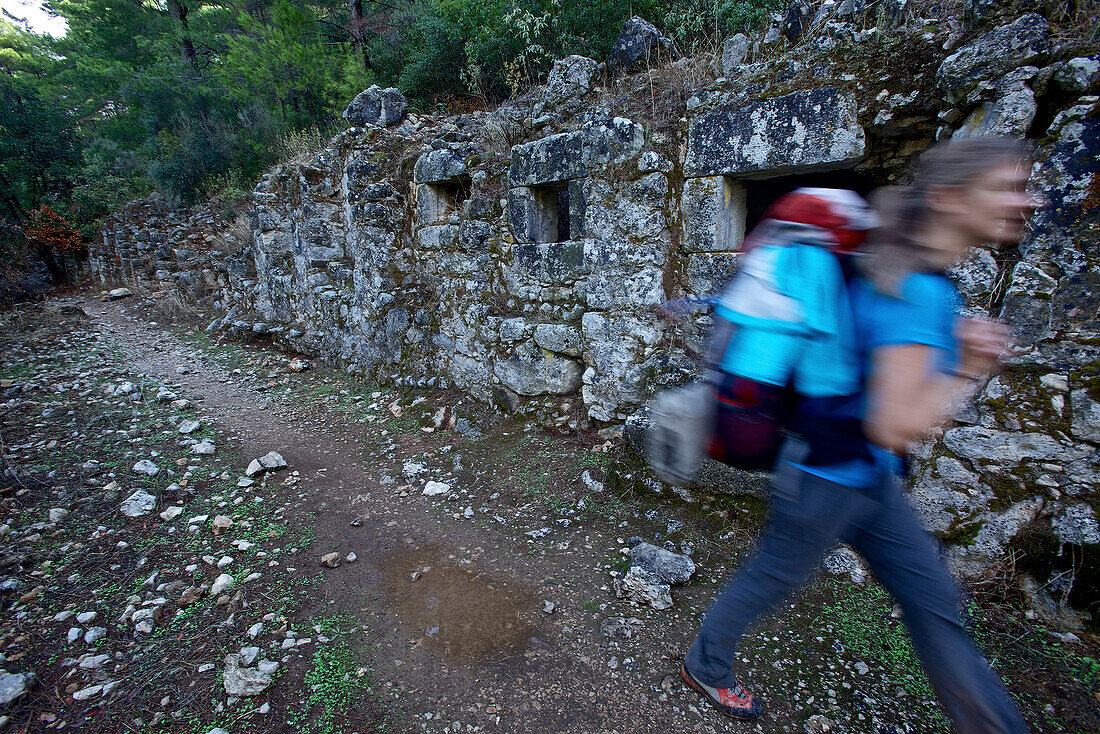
point(924, 312)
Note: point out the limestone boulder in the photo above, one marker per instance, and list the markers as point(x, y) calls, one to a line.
point(1078, 74)
point(639, 44)
point(570, 78)
point(1010, 113)
point(376, 106)
point(994, 54)
point(735, 50)
point(1086, 416)
point(566, 156)
point(560, 338)
point(440, 165)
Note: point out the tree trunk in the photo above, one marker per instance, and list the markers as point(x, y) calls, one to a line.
point(356, 29)
point(58, 276)
point(179, 11)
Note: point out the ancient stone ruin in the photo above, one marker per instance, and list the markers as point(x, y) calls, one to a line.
point(516, 254)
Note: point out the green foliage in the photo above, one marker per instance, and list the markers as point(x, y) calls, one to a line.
point(700, 24)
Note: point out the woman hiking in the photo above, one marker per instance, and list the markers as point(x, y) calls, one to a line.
point(918, 358)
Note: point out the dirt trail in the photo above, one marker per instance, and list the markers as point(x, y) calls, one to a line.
point(490, 608)
point(469, 641)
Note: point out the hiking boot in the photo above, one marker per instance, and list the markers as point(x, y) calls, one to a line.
point(734, 702)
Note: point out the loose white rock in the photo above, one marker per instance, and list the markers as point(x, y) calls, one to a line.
point(432, 489)
point(268, 462)
point(138, 504)
point(171, 512)
point(189, 425)
point(221, 583)
point(146, 467)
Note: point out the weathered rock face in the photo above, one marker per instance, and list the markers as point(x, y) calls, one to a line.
point(516, 255)
point(994, 54)
point(376, 106)
point(639, 43)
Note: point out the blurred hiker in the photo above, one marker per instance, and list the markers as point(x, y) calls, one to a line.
point(917, 358)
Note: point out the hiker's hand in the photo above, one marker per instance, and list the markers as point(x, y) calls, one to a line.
point(982, 345)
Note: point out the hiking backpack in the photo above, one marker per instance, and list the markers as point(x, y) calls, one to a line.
point(782, 334)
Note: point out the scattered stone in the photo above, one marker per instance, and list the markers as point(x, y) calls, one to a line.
point(818, 724)
point(147, 468)
point(621, 627)
point(643, 587)
point(432, 489)
point(351, 558)
point(413, 469)
point(118, 293)
point(223, 582)
point(668, 567)
point(204, 447)
point(249, 655)
point(95, 633)
point(548, 607)
point(862, 668)
point(243, 682)
point(330, 560)
point(189, 425)
point(843, 560)
point(86, 617)
point(220, 523)
point(299, 365)
point(138, 504)
point(14, 685)
point(85, 693)
point(255, 630)
point(57, 514)
point(268, 462)
point(357, 522)
point(171, 513)
point(191, 595)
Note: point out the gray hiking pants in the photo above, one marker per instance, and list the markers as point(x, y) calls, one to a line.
point(808, 515)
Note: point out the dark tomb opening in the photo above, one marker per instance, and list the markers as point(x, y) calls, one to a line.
point(761, 193)
point(453, 194)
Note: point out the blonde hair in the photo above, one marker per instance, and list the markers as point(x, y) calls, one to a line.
point(894, 250)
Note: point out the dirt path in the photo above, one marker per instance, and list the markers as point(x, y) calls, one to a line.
point(486, 607)
point(500, 661)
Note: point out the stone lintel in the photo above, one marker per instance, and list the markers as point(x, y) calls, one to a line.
point(815, 129)
point(568, 156)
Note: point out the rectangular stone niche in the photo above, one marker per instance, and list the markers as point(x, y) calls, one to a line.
point(546, 213)
point(436, 201)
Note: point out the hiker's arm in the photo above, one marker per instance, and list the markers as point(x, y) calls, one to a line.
point(907, 397)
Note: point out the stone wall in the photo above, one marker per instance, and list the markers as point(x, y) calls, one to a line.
point(516, 254)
